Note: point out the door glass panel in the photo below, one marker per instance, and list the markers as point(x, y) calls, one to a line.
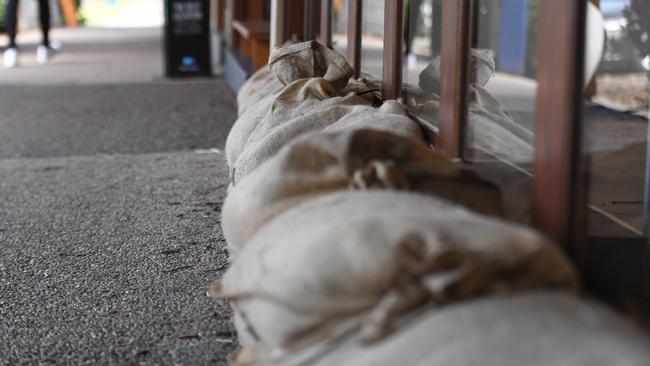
point(502, 98)
point(616, 119)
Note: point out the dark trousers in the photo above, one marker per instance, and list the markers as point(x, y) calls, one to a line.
point(11, 20)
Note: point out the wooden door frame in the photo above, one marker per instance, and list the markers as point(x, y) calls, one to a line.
point(559, 200)
point(454, 65)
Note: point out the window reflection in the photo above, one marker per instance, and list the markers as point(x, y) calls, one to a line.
point(340, 25)
point(616, 121)
point(421, 37)
point(502, 89)
point(372, 39)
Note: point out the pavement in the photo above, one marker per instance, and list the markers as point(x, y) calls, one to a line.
point(90, 56)
point(111, 185)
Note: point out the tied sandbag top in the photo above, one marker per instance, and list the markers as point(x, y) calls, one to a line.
point(310, 60)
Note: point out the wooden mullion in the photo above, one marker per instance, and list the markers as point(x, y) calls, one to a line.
point(456, 17)
point(392, 65)
point(311, 23)
point(559, 189)
point(355, 11)
point(218, 13)
point(326, 22)
point(293, 19)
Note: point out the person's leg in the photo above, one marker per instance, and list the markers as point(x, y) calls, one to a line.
point(47, 49)
point(11, 21)
point(44, 16)
point(10, 56)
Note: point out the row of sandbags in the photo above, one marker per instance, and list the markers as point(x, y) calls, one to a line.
point(354, 243)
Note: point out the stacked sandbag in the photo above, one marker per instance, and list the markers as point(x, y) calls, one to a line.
point(304, 106)
point(543, 328)
point(310, 60)
point(349, 159)
point(355, 244)
point(317, 94)
point(260, 85)
point(258, 93)
point(244, 126)
point(310, 109)
point(369, 259)
point(490, 128)
point(389, 117)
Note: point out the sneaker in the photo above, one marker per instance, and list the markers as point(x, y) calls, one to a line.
point(10, 59)
point(55, 45)
point(45, 53)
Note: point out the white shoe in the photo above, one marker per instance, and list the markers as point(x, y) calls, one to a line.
point(55, 45)
point(10, 58)
point(45, 53)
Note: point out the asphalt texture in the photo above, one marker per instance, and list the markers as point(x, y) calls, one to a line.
point(109, 215)
point(107, 260)
point(72, 120)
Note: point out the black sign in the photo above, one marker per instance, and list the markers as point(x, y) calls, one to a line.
point(187, 38)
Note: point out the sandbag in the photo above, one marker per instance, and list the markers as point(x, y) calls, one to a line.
point(390, 117)
point(260, 85)
point(255, 104)
point(532, 329)
point(310, 60)
point(349, 159)
point(370, 258)
point(244, 127)
point(303, 106)
point(310, 105)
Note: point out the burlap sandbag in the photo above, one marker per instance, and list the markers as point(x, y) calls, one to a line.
point(310, 60)
point(288, 63)
point(390, 117)
point(310, 105)
point(260, 85)
point(531, 329)
point(303, 106)
point(244, 127)
point(371, 258)
point(350, 159)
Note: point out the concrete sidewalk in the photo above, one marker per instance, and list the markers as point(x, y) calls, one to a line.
point(105, 94)
point(90, 56)
point(109, 219)
point(106, 260)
